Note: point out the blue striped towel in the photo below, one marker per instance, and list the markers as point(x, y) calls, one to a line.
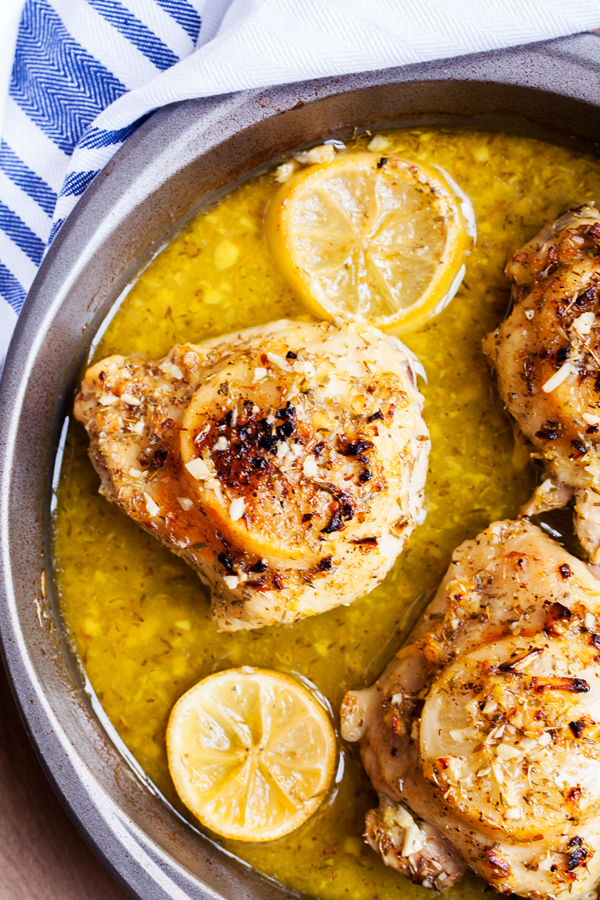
point(86, 73)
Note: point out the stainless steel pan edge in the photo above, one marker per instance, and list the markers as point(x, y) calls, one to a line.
point(183, 157)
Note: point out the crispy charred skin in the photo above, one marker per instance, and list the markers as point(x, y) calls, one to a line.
point(486, 727)
point(547, 359)
point(285, 463)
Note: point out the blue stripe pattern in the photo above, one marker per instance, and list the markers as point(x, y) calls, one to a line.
point(135, 32)
point(96, 137)
point(184, 14)
point(76, 183)
point(56, 226)
point(62, 82)
point(10, 289)
point(21, 234)
point(60, 86)
point(25, 178)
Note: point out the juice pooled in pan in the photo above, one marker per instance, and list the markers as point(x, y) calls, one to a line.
point(138, 618)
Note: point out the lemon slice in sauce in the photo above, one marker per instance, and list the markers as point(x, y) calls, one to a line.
point(251, 752)
point(370, 239)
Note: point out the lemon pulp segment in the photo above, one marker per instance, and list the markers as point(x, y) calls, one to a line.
point(251, 753)
point(369, 239)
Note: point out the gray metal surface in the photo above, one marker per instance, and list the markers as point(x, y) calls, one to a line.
point(181, 159)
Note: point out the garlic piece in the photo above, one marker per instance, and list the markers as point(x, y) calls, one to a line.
point(557, 379)
point(378, 144)
point(198, 469)
point(279, 361)
point(130, 400)
point(108, 400)
point(584, 323)
point(152, 507)
point(284, 172)
point(236, 509)
point(309, 467)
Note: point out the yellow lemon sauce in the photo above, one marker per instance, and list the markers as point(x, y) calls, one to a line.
point(138, 618)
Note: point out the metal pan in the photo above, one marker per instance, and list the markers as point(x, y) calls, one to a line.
point(183, 158)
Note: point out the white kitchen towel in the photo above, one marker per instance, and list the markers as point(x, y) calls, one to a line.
point(87, 72)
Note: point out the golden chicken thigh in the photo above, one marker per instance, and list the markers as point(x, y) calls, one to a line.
point(482, 737)
point(547, 359)
point(286, 463)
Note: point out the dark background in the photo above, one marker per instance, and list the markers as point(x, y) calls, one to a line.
point(42, 855)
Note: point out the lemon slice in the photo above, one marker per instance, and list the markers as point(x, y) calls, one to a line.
point(251, 753)
point(369, 239)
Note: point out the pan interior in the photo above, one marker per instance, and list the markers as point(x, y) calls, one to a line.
point(137, 618)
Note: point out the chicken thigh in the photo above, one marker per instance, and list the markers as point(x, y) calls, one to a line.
point(286, 463)
point(482, 737)
point(547, 358)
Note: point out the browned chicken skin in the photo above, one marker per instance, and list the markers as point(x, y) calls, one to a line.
point(547, 359)
point(482, 737)
point(286, 463)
